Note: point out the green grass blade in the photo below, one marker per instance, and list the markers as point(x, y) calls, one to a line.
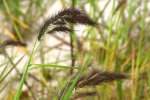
point(33, 66)
point(70, 89)
point(19, 91)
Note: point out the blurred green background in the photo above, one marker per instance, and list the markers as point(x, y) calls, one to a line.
point(119, 43)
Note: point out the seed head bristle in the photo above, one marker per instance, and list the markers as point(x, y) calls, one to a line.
point(73, 15)
point(13, 43)
point(60, 29)
point(63, 20)
point(97, 77)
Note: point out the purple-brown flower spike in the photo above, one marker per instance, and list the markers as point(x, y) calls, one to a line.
point(61, 21)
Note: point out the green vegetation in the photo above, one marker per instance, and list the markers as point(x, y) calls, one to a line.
point(75, 62)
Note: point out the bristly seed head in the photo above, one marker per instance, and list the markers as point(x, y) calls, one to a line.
point(63, 19)
point(13, 43)
point(60, 29)
point(96, 77)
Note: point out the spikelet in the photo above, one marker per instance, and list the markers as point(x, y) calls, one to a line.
point(60, 29)
point(13, 43)
point(96, 77)
point(61, 21)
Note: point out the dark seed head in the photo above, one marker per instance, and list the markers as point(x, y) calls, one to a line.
point(60, 29)
point(63, 19)
point(13, 43)
point(96, 77)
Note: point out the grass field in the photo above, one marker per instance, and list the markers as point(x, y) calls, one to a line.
point(74, 50)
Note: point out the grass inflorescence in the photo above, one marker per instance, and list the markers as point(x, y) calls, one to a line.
point(63, 20)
